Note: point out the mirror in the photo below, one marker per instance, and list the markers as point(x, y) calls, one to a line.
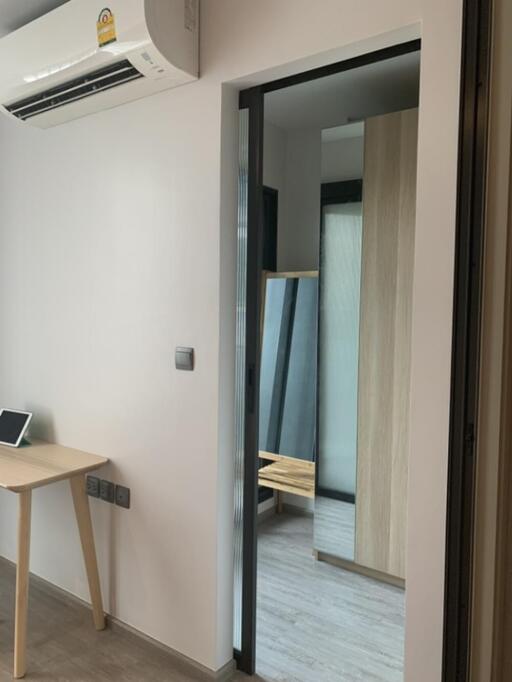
point(288, 379)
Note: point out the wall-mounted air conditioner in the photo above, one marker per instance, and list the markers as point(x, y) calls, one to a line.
point(85, 56)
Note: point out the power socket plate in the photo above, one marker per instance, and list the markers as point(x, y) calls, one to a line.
point(107, 491)
point(93, 486)
point(123, 496)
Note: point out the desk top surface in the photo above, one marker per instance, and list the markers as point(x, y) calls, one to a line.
point(40, 463)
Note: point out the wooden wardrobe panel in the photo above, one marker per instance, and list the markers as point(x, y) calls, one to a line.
point(389, 199)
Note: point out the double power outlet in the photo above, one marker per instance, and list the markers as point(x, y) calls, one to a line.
point(108, 491)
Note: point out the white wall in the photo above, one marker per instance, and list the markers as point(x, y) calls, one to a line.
point(292, 165)
point(107, 263)
point(274, 167)
point(342, 159)
point(274, 153)
point(296, 163)
point(298, 236)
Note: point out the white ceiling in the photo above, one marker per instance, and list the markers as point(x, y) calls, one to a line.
point(383, 87)
point(17, 13)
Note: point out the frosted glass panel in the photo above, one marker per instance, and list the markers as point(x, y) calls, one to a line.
point(240, 375)
point(340, 281)
point(289, 367)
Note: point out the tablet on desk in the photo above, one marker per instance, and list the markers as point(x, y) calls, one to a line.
point(13, 425)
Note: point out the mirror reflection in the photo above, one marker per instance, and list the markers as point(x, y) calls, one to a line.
point(337, 254)
point(288, 383)
point(335, 354)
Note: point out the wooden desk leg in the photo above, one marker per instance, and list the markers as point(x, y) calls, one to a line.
point(83, 517)
point(22, 577)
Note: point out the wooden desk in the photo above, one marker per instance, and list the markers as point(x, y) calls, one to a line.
point(33, 466)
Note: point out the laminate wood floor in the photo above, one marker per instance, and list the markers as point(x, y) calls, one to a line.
point(317, 622)
point(335, 528)
point(63, 645)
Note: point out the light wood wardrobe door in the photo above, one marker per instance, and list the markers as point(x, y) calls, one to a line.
point(389, 202)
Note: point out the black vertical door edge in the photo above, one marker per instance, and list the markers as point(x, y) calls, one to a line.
point(476, 45)
point(270, 216)
point(253, 100)
point(269, 263)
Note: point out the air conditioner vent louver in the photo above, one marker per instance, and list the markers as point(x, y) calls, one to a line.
point(76, 89)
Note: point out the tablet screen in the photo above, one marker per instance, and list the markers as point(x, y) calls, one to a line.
point(12, 425)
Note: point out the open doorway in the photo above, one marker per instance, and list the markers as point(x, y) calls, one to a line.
point(465, 358)
point(334, 271)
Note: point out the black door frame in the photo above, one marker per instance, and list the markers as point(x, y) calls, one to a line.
point(474, 100)
point(269, 194)
point(467, 316)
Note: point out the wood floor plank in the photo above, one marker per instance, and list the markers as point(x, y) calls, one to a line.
point(335, 527)
point(319, 623)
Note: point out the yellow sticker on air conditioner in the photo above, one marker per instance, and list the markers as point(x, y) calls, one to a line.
point(106, 28)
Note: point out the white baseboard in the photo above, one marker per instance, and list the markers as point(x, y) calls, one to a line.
point(297, 511)
point(180, 660)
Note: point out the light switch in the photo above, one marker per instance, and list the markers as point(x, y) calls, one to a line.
point(184, 358)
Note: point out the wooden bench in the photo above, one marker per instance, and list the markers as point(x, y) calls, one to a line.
point(287, 475)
